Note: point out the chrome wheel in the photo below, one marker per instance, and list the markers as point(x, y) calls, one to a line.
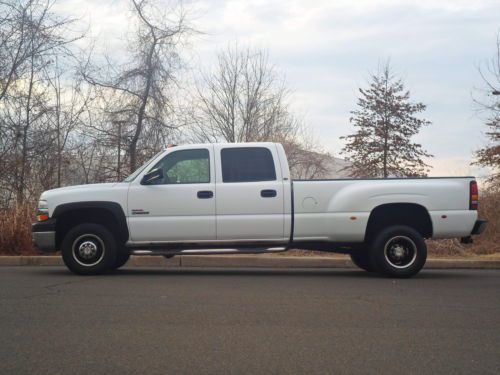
point(400, 251)
point(88, 250)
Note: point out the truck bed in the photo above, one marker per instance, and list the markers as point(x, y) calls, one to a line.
point(344, 205)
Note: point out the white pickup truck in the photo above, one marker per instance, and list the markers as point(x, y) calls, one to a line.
point(239, 198)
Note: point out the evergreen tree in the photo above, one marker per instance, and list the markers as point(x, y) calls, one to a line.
point(385, 122)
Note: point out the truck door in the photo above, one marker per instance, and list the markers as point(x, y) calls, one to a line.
point(180, 207)
point(249, 193)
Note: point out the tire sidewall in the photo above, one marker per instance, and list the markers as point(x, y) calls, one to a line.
point(122, 257)
point(361, 258)
point(103, 234)
point(378, 248)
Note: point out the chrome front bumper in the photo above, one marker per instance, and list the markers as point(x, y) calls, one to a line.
point(43, 235)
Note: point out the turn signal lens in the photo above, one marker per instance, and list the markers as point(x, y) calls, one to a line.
point(42, 217)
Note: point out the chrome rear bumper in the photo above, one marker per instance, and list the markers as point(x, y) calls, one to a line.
point(479, 226)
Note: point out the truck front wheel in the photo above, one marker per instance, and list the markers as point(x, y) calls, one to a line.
point(89, 249)
point(398, 251)
point(122, 257)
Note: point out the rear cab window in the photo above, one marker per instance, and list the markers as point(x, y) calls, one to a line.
point(247, 164)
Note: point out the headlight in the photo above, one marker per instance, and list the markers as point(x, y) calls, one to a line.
point(42, 212)
point(42, 204)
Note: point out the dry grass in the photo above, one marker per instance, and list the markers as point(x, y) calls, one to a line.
point(15, 232)
point(486, 243)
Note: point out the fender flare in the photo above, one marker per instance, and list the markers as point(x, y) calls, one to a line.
point(114, 208)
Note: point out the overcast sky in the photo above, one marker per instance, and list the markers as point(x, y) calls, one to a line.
point(326, 49)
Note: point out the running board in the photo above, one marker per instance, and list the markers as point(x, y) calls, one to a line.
point(248, 250)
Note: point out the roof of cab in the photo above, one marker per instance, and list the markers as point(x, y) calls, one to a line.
point(236, 144)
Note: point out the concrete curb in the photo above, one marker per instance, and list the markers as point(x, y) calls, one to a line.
point(248, 261)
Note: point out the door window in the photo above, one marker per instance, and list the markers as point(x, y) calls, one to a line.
point(185, 167)
point(247, 164)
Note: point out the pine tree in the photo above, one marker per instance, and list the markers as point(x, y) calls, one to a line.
point(385, 123)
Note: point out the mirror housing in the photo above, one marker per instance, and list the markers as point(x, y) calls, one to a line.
point(152, 176)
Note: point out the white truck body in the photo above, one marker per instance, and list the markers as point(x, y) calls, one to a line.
point(226, 210)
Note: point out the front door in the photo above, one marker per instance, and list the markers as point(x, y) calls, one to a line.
point(180, 207)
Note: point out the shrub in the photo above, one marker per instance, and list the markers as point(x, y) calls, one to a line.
point(15, 230)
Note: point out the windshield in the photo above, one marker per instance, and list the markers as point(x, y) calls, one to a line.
point(141, 168)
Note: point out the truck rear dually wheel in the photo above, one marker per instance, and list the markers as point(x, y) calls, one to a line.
point(398, 251)
point(89, 249)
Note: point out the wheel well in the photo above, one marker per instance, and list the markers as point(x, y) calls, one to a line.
point(69, 219)
point(410, 214)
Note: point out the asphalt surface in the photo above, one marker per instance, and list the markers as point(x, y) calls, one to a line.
point(248, 321)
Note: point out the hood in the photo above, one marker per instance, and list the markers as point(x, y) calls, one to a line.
point(94, 187)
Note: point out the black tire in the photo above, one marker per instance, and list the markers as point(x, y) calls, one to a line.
point(398, 251)
point(89, 249)
point(168, 256)
point(361, 258)
point(121, 258)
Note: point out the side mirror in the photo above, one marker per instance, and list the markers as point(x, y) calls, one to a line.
point(152, 176)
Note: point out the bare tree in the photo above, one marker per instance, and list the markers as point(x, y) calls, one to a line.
point(385, 123)
point(28, 28)
point(14, 35)
point(245, 100)
point(139, 88)
point(489, 156)
point(69, 105)
point(31, 35)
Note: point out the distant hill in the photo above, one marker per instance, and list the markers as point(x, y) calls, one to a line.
point(334, 166)
point(310, 165)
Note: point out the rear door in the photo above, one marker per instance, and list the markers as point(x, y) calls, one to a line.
point(249, 204)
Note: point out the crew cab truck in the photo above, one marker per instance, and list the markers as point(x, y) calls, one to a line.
point(239, 198)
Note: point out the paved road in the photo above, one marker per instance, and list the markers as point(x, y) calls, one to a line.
point(160, 321)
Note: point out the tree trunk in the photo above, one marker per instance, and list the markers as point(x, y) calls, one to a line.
point(386, 124)
point(386, 136)
point(119, 150)
point(24, 150)
point(142, 109)
point(58, 130)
